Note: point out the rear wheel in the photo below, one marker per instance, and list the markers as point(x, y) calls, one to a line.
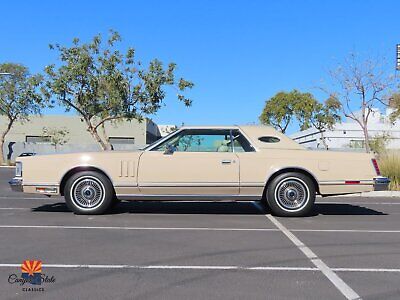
point(89, 193)
point(291, 195)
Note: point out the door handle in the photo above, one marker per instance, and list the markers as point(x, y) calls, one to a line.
point(226, 161)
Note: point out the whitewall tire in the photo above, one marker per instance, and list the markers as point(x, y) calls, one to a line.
point(291, 195)
point(89, 192)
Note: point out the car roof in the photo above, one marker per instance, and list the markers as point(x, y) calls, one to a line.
point(210, 127)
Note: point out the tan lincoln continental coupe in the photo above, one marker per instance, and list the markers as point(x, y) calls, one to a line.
point(202, 163)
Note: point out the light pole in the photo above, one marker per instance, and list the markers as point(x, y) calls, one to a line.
point(398, 57)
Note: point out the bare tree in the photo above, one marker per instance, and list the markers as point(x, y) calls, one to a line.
point(360, 85)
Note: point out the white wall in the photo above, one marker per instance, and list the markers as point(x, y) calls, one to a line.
point(343, 133)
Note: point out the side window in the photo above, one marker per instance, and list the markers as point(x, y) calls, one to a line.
point(199, 140)
point(240, 143)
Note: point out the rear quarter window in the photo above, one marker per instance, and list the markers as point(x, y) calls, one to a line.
point(269, 139)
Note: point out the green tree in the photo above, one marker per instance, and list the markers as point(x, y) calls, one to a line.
point(321, 116)
point(56, 136)
point(102, 84)
point(20, 97)
point(281, 108)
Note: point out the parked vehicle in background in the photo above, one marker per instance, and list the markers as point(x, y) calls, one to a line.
point(202, 163)
point(25, 154)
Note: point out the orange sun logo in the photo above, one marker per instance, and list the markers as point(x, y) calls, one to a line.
point(31, 266)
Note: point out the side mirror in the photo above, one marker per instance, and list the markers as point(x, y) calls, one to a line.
point(169, 149)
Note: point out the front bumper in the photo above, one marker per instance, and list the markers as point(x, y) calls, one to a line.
point(16, 184)
point(381, 183)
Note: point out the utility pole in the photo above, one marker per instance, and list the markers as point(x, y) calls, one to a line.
point(398, 57)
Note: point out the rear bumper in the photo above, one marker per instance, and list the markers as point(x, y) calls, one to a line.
point(381, 183)
point(16, 184)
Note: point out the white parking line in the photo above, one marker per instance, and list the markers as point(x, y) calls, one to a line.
point(183, 267)
point(365, 270)
point(166, 267)
point(345, 289)
point(136, 228)
point(346, 230)
point(25, 198)
point(14, 208)
point(192, 228)
point(362, 203)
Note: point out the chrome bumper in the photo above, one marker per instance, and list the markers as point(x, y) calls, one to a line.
point(381, 183)
point(16, 184)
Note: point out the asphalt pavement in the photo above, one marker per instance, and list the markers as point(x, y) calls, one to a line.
point(348, 248)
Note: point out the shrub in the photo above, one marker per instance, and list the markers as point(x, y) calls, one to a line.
point(378, 143)
point(389, 164)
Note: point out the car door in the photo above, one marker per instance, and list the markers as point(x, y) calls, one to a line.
point(192, 162)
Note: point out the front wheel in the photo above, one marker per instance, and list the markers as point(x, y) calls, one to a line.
point(89, 193)
point(291, 195)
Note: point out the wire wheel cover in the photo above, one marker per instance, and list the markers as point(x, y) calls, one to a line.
point(291, 194)
point(87, 192)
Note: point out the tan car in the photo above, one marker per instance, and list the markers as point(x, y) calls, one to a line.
point(202, 163)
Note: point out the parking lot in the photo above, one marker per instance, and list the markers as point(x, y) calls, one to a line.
point(349, 248)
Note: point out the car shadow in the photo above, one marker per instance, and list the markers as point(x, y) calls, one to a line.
point(342, 209)
point(163, 207)
point(212, 208)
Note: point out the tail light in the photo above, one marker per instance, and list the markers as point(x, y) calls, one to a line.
point(376, 167)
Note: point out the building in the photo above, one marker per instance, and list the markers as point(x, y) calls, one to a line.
point(30, 136)
point(349, 135)
point(166, 129)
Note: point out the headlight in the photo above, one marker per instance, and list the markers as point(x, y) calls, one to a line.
point(18, 169)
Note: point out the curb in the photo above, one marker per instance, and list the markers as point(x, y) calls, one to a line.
point(373, 194)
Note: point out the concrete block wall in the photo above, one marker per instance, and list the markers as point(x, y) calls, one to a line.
point(14, 149)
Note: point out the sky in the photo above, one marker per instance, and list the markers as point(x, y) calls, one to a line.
point(238, 53)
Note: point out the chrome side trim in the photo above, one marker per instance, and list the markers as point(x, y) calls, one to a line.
point(41, 184)
point(200, 184)
point(189, 184)
point(186, 197)
point(252, 184)
point(125, 185)
point(343, 182)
